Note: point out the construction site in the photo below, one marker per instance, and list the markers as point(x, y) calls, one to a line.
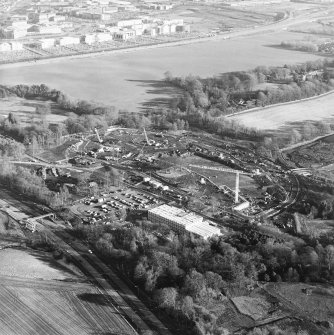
point(112, 173)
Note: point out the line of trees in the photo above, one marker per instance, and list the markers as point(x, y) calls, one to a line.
point(307, 46)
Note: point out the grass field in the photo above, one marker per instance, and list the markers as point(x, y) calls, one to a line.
point(25, 110)
point(14, 262)
point(318, 305)
point(278, 117)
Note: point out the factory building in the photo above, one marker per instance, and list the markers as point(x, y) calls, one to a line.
point(182, 221)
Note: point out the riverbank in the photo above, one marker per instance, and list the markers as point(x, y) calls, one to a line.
point(127, 49)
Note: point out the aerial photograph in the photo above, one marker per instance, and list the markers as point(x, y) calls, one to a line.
point(166, 167)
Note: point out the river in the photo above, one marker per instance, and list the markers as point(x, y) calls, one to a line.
point(130, 80)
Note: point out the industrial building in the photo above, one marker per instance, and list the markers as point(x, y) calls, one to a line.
point(180, 220)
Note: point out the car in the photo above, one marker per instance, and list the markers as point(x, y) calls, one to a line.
point(90, 251)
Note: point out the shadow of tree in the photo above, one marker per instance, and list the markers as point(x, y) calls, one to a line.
point(167, 93)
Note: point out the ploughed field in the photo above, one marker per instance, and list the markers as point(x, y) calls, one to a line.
point(132, 80)
point(279, 117)
point(38, 296)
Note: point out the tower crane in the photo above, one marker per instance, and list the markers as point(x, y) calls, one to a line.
point(98, 135)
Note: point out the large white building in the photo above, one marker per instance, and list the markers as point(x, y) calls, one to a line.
point(181, 221)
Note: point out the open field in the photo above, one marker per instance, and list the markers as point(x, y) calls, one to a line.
point(54, 308)
point(277, 117)
point(110, 78)
point(25, 110)
point(14, 262)
point(318, 305)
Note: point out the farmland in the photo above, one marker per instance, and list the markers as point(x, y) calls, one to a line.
point(39, 299)
point(278, 117)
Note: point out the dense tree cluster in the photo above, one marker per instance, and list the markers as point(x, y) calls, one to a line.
point(307, 46)
point(186, 276)
point(11, 148)
point(230, 92)
point(25, 181)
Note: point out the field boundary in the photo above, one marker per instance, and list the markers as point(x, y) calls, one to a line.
point(256, 109)
point(301, 144)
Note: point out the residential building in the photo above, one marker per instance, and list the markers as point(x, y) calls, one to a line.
point(46, 43)
point(13, 33)
point(128, 23)
point(103, 37)
point(124, 35)
point(16, 46)
point(5, 47)
point(45, 29)
point(181, 221)
point(69, 40)
point(90, 39)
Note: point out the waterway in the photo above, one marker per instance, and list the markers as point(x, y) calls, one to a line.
point(131, 80)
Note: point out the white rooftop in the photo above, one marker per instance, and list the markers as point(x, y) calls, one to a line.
point(177, 215)
point(191, 221)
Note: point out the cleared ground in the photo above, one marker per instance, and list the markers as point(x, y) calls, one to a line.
point(277, 117)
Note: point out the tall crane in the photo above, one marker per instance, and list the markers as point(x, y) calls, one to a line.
point(149, 142)
point(98, 135)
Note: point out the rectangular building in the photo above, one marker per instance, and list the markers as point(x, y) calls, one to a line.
point(180, 220)
point(69, 41)
point(47, 43)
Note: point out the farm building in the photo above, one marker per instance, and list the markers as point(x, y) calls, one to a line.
point(181, 221)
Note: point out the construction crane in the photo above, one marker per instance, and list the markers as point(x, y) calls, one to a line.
point(149, 142)
point(98, 135)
